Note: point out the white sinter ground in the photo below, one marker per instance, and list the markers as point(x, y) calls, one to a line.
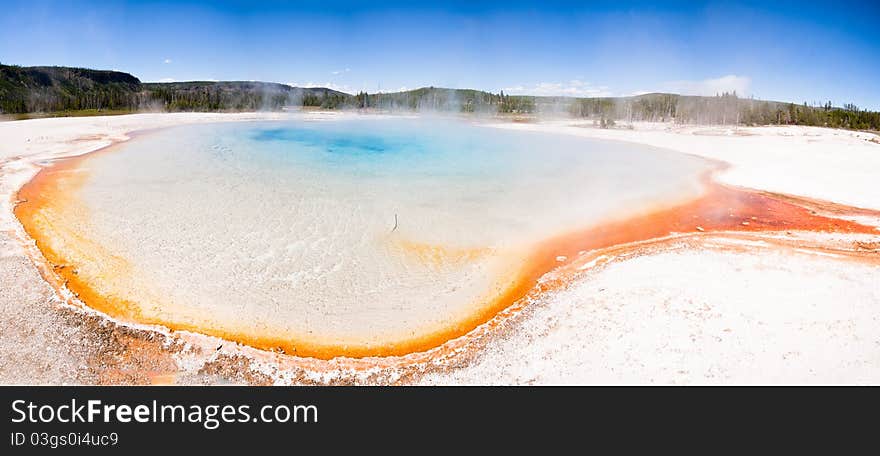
point(696, 317)
point(685, 316)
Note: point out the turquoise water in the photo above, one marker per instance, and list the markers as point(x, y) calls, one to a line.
point(352, 231)
point(385, 149)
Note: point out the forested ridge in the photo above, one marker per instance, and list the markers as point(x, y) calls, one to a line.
point(62, 89)
point(725, 108)
point(74, 90)
point(41, 89)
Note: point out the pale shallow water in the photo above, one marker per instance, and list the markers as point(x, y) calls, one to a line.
point(287, 229)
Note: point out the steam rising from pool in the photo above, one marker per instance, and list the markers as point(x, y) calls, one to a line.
point(354, 234)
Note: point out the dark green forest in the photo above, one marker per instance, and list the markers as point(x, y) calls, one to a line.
point(237, 96)
point(71, 91)
point(61, 89)
point(726, 109)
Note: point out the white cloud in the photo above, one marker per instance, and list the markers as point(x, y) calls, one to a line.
point(338, 72)
point(167, 80)
point(167, 61)
point(573, 88)
point(711, 87)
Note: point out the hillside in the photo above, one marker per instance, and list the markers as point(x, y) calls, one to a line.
point(32, 89)
point(61, 89)
point(725, 109)
point(71, 91)
point(238, 96)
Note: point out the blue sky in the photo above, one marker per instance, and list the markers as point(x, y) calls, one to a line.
point(790, 51)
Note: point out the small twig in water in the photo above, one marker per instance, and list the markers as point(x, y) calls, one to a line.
point(395, 223)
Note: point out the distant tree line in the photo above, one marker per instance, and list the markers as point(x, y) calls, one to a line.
point(61, 89)
point(431, 99)
point(724, 109)
point(236, 96)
